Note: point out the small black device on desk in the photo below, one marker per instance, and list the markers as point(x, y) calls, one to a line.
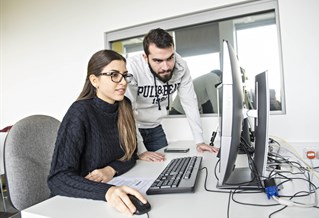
point(176, 150)
point(140, 207)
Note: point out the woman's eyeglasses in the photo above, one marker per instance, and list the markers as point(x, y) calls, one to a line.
point(117, 76)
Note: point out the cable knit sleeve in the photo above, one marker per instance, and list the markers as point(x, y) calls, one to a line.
point(66, 176)
point(123, 166)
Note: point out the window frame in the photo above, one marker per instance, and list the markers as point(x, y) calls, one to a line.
point(210, 15)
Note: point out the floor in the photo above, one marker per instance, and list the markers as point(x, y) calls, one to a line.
point(9, 209)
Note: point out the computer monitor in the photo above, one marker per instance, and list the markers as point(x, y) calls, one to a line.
point(233, 125)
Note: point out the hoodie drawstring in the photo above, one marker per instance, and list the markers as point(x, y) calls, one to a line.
point(156, 95)
point(167, 108)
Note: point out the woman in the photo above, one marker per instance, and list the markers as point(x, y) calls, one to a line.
point(97, 137)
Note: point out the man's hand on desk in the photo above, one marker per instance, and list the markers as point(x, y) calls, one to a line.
point(152, 156)
point(205, 147)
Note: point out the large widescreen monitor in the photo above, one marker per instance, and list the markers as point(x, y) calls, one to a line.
point(233, 121)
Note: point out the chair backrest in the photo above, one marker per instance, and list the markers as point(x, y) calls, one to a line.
point(28, 150)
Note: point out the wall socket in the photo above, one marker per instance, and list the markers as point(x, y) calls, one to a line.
point(311, 153)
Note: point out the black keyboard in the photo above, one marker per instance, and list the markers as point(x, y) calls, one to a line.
point(179, 176)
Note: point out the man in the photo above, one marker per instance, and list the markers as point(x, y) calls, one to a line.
point(157, 74)
point(206, 92)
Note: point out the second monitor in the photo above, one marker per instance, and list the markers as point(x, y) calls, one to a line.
point(232, 117)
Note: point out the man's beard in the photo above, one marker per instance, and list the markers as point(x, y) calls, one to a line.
point(164, 79)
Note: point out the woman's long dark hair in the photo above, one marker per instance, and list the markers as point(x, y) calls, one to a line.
point(125, 121)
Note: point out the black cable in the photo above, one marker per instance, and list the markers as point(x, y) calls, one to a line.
point(224, 191)
point(250, 204)
point(290, 179)
point(205, 183)
point(251, 163)
point(277, 159)
point(252, 168)
point(295, 195)
point(274, 173)
point(280, 160)
point(237, 184)
point(247, 146)
point(280, 174)
point(232, 194)
point(276, 211)
point(302, 170)
point(271, 140)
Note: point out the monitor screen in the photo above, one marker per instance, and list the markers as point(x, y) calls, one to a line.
point(233, 122)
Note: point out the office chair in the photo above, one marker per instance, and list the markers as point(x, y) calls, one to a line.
point(28, 150)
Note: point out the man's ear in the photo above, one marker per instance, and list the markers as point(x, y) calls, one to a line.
point(94, 80)
point(145, 57)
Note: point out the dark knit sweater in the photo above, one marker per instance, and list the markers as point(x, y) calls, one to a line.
point(87, 140)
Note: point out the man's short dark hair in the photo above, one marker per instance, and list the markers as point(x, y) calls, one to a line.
point(160, 37)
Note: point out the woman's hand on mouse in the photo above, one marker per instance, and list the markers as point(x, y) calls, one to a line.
point(117, 197)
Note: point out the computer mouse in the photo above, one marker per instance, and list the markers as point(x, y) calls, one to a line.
point(140, 207)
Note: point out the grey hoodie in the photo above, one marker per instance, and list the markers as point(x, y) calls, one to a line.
point(150, 99)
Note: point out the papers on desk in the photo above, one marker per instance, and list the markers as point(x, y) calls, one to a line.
point(141, 184)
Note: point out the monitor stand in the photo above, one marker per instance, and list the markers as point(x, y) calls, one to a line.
point(241, 178)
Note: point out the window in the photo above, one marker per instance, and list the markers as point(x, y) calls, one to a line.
point(252, 28)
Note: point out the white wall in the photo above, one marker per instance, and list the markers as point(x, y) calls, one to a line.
point(45, 47)
point(300, 44)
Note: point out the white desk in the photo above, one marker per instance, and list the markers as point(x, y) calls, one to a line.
point(200, 204)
